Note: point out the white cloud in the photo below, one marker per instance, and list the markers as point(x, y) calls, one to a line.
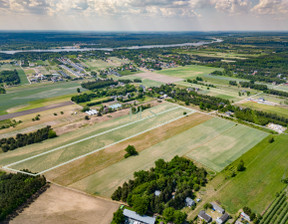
point(271, 7)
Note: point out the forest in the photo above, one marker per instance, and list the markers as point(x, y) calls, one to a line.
point(9, 77)
point(26, 139)
point(15, 189)
point(174, 181)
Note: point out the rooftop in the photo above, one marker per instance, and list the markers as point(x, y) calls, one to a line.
point(143, 219)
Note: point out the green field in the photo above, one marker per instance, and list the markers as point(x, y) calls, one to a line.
point(213, 131)
point(22, 76)
point(229, 142)
point(257, 186)
point(188, 72)
point(24, 95)
point(280, 110)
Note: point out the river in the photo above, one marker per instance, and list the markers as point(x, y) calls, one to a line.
point(111, 49)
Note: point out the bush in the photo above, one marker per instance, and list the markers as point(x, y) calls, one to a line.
point(86, 108)
point(87, 118)
point(241, 166)
point(271, 140)
point(52, 134)
point(131, 151)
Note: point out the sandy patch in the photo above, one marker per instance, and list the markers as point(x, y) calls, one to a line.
point(62, 205)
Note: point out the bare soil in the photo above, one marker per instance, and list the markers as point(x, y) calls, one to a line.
point(61, 205)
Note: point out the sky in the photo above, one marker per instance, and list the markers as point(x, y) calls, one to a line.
point(144, 15)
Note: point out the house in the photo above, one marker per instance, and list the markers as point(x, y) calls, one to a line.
point(217, 208)
point(133, 217)
point(245, 216)
point(189, 202)
point(202, 215)
point(223, 218)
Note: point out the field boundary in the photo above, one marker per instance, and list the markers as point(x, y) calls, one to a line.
point(7, 167)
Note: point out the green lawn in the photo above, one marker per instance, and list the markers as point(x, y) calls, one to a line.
point(257, 186)
point(186, 72)
point(145, 82)
point(24, 95)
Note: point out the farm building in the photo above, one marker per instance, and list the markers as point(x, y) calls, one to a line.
point(189, 202)
point(134, 218)
point(223, 218)
point(217, 208)
point(202, 215)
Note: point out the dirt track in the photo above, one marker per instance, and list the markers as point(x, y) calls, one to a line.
point(65, 206)
point(36, 110)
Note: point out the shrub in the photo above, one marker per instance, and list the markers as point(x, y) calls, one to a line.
point(131, 151)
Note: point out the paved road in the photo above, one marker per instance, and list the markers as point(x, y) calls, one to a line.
point(36, 110)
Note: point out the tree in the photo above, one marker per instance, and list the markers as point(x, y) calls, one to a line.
point(131, 151)
point(87, 118)
point(78, 90)
point(207, 206)
point(168, 214)
point(271, 140)
point(241, 166)
point(140, 204)
point(118, 217)
point(52, 134)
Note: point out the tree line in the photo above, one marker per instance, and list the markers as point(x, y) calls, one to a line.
point(174, 180)
point(97, 84)
point(15, 189)
point(21, 140)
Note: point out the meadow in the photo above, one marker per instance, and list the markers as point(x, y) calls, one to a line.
point(188, 142)
point(20, 96)
point(98, 139)
point(188, 72)
point(256, 187)
point(280, 110)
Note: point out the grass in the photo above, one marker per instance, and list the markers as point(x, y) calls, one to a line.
point(186, 72)
point(91, 164)
point(24, 95)
point(227, 142)
point(145, 82)
point(22, 76)
point(105, 181)
point(281, 111)
point(257, 186)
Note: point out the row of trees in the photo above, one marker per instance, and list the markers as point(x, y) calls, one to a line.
point(175, 180)
point(97, 84)
point(205, 102)
point(15, 189)
point(116, 91)
point(26, 139)
point(10, 77)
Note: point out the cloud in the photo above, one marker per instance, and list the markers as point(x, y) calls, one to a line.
point(271, 7)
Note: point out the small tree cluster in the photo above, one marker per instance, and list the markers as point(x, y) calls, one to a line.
point(131, 151)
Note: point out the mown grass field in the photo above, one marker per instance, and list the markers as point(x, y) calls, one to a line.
point(22, 76)
point(106, 180)
point(145, 82)
point(24, 95)
point(188, 72)
point(280, 110)
point(227, 142)
point(256, 187)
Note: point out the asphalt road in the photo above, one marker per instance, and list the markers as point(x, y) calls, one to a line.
point(36, 110)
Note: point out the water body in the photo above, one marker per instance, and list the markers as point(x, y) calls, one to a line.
point(111, 49)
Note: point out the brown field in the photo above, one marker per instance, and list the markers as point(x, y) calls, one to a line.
point(62, 205)
point(84, 167)
point(158, 77)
